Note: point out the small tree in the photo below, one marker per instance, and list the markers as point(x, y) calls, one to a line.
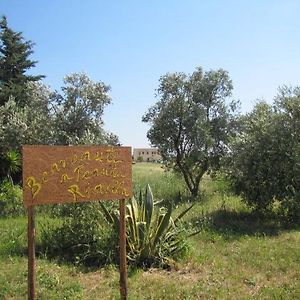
point(191, 123)
point(14, 63)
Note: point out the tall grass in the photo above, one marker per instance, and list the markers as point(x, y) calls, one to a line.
point(165, 185)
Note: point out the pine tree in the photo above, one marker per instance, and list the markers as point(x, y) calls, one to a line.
point(14, 62)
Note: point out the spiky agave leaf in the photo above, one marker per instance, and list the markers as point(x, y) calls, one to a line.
point(131, 232)
point(108, 215)
point(132, 214)
point(134, 207)
point(148, 205)
point(150, 240)
point(183, 213)
point(162, 225)
point(141, 233)
point(142, 212)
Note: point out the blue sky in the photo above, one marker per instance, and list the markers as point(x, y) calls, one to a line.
point(130, 44)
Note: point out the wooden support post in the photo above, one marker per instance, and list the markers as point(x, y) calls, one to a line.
point(31, 253)
point(123, 263)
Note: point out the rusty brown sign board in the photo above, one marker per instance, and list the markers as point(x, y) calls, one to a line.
point(66, 174)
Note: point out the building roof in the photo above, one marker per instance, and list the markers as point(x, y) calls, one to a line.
point(145, 149)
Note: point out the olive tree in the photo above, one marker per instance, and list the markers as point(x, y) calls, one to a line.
point(31, 124)
point(191, 123)
point(73, 117)
point(78, 111)
point(265, 163)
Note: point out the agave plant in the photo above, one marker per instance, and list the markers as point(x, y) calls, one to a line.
point(13, 164)
point(154, 238)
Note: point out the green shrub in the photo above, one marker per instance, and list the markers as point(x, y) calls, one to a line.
point(82, 236)
point(265, 156)
point(140, 159)
point(154, 238)
point(11, 203)
point(290, 208)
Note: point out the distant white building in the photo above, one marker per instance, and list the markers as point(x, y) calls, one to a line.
point(146, 154)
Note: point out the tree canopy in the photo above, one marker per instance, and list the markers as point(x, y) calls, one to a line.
point(78, 111)
point(14, 63)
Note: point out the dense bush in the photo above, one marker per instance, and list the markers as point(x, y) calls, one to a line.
point(266, 155)
point(11, 203)
point(81, 237)
point(290, 208)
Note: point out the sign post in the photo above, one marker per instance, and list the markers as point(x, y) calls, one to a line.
point(74, 174)
point(123, 263)
point(31, 253)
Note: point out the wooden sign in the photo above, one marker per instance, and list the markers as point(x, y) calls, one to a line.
point(66, 174)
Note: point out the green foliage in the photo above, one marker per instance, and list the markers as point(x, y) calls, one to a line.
point(253, 162)
point(166, 185)
point(54, 119)
point(290, 207)
point(71, 120)
point(266, 155)
point(13, 126)
point(154, 238)
point(11, 200)
point(237, 254)
point(191, 123)
point(140, 159)
point(78, 111)
point(13, 161)
point(13, 236)
point(81, 237)
point(10, 164)
point(14, 62)
point(52, 281)
point(25, 125)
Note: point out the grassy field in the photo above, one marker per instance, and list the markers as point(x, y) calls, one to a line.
point(236, 255)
